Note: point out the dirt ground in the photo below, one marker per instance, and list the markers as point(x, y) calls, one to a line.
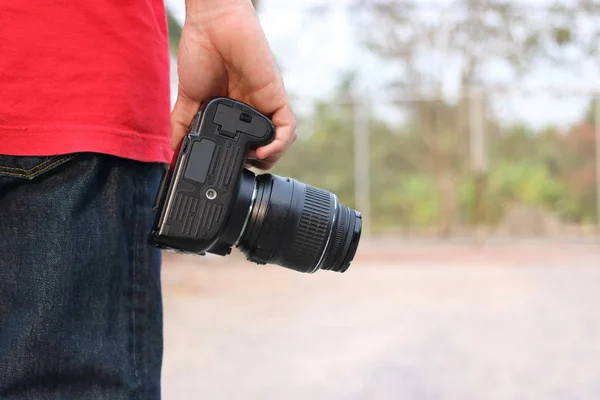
point(407, 321)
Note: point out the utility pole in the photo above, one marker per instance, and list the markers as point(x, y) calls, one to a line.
point(597, 129)
point(362, 164)
point(479, 162)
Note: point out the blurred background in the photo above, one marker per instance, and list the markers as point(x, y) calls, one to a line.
point(467, 132)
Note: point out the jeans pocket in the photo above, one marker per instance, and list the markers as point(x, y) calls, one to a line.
point(30, 167)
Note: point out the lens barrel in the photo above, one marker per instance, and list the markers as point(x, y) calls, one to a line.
point(296, 226)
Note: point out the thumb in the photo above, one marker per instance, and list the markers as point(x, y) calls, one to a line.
point(182, 115)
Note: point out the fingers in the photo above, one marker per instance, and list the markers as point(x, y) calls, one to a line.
point(285, 136)
point(183, 112)
point(263, 157)
point(267, 162)
point(252, 154)
point(266, 157)
point(263, 164)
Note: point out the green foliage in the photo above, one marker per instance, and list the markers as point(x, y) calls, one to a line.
point(324, 159)
point(537, 168)
point(526, 166)
point(563, 36)
point(524, 182)
point(413, 202)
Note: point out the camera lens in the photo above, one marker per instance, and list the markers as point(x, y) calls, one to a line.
point(296, 226)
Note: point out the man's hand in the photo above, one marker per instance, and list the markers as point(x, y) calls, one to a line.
point(224, 52)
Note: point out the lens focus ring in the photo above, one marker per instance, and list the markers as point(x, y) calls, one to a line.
point(313, 230)
point(297, 226)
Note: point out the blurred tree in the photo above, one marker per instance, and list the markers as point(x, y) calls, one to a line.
point(405, 193)
point(474, 34)
point(546, 169)
point(425, 39)
point(578, 171)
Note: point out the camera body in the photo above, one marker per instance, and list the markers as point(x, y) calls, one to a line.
point(198, 193)
point(208, 202)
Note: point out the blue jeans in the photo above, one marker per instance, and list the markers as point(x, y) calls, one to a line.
point(80, 288)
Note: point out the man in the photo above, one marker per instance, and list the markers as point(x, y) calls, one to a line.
point(85, 125)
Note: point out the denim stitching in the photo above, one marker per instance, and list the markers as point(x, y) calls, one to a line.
point(27, 170)
point(28, 173)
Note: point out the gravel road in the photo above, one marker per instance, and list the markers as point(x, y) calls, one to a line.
point(433, 323)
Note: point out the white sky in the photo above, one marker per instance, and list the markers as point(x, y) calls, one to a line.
point(314, 52)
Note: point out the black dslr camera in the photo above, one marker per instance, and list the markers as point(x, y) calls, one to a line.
point(209, 202)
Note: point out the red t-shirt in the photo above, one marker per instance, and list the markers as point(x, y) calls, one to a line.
point(88, 75)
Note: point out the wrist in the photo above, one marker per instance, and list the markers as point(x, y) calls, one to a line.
point(207, 10)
